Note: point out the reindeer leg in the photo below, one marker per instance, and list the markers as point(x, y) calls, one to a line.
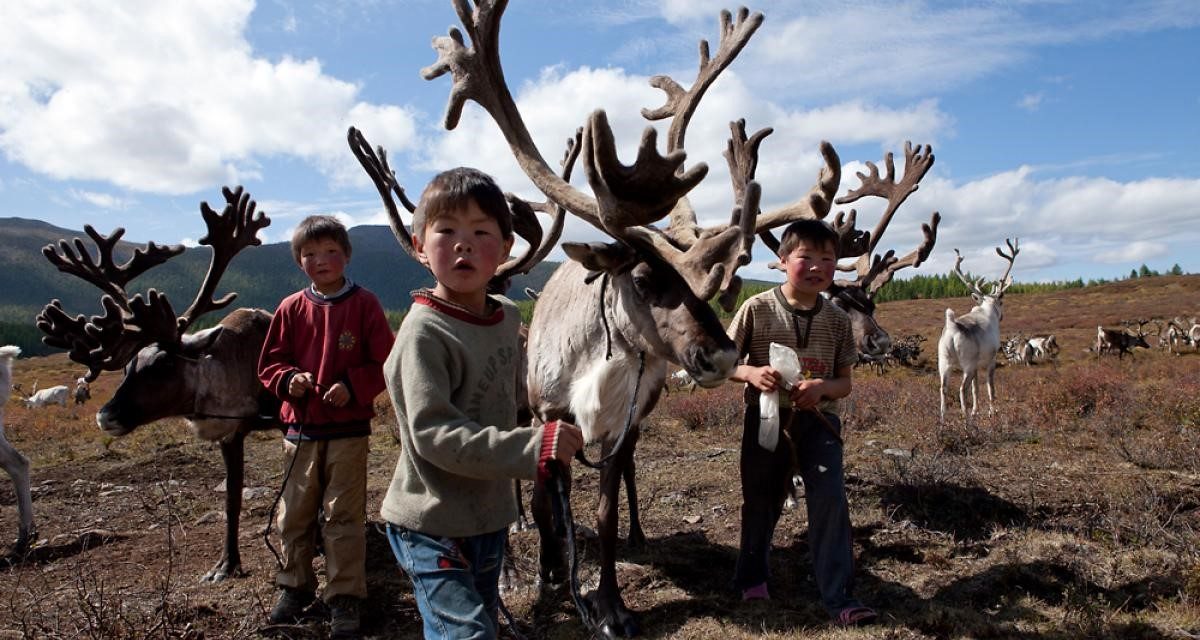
point(17, 467)
point(612, 617)
point(552, 564)
point(522, 523)
point(230, 564)
point(962, 393)
point(991, 389)
point(508, 578)
point(636, 538)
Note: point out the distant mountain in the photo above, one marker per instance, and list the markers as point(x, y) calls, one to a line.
point(261, 276)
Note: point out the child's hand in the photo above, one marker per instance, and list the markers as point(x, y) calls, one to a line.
point(807, 394)
point(338, 395)
point(569, 440)
point(764, 379)
point(300, 384)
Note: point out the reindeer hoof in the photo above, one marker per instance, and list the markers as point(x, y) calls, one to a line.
point(222, 571)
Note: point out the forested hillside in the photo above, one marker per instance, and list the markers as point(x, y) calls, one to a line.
point(261, 276)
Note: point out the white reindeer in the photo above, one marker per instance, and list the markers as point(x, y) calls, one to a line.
point(970, 342)
point(46, 397)
point(15, 464)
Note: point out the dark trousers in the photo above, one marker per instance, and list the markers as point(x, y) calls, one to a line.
point(765, 479)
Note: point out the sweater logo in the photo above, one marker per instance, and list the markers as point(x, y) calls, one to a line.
point(346, 341)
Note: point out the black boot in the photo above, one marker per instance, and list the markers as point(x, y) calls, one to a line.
point(344, 618)
point(290, 606)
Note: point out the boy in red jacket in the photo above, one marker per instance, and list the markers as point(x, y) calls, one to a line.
point(323, 357)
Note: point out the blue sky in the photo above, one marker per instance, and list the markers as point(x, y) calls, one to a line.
point(1073, 125)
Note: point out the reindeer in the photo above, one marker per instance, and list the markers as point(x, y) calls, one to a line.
point(83, 391)
point(970, 342)
point(873, 270)
point(38, 398)
point(208, 377)
point(611, 319)
point(1109, 340)
point(1043, 348)
point(15, 464)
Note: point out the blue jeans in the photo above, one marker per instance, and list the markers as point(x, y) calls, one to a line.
point(455, 580)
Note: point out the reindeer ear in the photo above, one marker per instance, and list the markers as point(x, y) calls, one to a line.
point(197, 343)
point(612, 257)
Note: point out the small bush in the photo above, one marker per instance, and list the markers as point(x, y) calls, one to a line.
point(719, 408)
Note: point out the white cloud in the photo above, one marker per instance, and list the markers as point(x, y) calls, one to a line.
point(1133, 252)
point(1031, 101)
point(101, 200)
point(89, 92)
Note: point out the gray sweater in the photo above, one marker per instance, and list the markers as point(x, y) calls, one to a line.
point(453, 378)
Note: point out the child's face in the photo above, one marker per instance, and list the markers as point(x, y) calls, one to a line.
point(324, 262)
point(810, 267)
point(463, 248)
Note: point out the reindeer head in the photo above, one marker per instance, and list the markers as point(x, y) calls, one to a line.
point(143, 335)
point(994, 295)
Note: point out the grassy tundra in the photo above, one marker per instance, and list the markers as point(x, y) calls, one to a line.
point(1071, 513)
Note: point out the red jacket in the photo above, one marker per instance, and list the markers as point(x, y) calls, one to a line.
point(344, 339)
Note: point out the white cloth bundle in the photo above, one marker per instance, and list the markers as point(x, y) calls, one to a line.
point(784, 360)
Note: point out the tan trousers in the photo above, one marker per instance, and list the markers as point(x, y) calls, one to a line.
point(330, 474)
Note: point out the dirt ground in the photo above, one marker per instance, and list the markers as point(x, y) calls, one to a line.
point(1071, 513)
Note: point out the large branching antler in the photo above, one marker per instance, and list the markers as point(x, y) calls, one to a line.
point(813, 205)
point(1005, 281)
point(681, 104)
point(478, 76)
point(233, 229)
point(628, 199)
point(998, 287)
point(524, 218)
point(109, 341)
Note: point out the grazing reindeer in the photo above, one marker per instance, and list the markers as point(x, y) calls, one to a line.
point(15, 464)
point(83, 391)
point(1109, 340)
point(44, 397)
point(208, 377)
point(611, 319)
point(970, 342)
point(1043, 348)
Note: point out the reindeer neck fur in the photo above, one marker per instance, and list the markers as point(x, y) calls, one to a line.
point(569, 375)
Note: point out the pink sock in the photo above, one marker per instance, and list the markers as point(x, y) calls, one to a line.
point(757, 592)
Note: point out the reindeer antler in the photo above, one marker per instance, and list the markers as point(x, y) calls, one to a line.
point(525, 223)
point(230, 231)
point(107, 342)
point(1002, 285)
point(627, 198)
point(682, 104)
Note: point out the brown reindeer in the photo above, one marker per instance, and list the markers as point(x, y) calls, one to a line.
point(1119, 340)
point(611, 319)
point(207, 377)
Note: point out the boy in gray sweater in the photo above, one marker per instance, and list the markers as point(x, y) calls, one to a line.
point(453, 376)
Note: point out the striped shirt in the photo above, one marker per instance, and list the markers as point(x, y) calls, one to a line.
point(822, 337)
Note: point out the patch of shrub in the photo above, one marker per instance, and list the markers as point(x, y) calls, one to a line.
point(719, 408)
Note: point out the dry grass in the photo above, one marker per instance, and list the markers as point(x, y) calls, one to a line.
point(1072, 513)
